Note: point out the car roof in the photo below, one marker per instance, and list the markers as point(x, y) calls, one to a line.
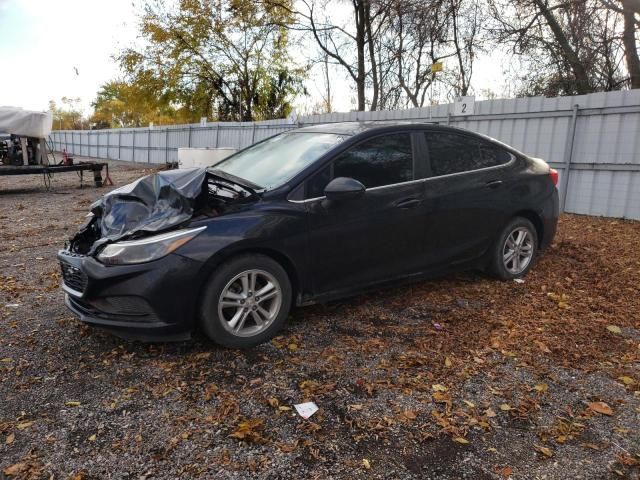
point(354, 128)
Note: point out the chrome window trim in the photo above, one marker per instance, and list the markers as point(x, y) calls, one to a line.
point(367, 190)
point(495, 167)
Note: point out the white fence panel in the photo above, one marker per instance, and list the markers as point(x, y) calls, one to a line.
point(597, 136)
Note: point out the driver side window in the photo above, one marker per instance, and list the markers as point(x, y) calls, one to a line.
point(380, 161)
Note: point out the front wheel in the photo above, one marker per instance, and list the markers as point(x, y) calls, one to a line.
point(515, 250)
point(246, 301)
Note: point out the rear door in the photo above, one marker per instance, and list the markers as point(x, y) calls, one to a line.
point(377, 236)
point(465, 195)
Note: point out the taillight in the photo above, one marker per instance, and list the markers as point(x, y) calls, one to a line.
point(553, 173)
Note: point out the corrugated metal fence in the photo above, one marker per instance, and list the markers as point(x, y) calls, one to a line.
point(593, 140)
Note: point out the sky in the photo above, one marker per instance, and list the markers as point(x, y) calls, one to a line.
point(63, 48)
point(43, 42)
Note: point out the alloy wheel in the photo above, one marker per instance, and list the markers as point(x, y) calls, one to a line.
point(249, 303)
point(518, 250)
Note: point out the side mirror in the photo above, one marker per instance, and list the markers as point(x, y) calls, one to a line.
point(344, 188)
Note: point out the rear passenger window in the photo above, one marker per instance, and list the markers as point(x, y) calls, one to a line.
point(452, 153)
point(383, 160)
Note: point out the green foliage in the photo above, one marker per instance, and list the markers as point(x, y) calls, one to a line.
point(136, 104)
point(68, 116)
point(224, 59)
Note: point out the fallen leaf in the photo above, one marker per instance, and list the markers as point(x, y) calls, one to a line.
point(592, 446)
point(627, 460)
point(23, 425)
point(614, 329)
point(10, 439)
point(547, 452)
point(366, 464)
point(543, 348)
point(92, 438)
point(461, 440)
point(469, 404)
point(490, 413)
point(439, 388)
point(541, 387)
point(73, 403)
point(505, 471)
point(447, 362)
point(287, 447)
point(505, 407)
point(292, 347)
point(601, 407)
point(249, 430)
point(16, 469)
point(411, 415)
point(210, 391)
point(626, 380)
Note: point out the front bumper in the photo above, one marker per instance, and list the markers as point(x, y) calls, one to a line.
point(149, 302)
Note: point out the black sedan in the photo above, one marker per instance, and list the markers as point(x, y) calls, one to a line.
point(307, 216)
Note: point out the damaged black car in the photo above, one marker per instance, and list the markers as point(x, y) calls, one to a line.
point(309, 215)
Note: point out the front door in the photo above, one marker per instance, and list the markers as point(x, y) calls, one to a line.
point(373, 238)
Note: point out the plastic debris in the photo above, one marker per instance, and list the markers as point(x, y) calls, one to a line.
point(518, 280)
point(305, 410)
point(437, 326)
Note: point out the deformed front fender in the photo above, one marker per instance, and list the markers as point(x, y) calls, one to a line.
point(277, 232)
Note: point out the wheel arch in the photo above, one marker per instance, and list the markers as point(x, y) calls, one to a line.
point(283, 260)
point(534, 218)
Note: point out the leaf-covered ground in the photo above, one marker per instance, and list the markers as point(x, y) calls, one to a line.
point(462, 377)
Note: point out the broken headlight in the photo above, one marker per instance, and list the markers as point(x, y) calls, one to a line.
point(146, 249)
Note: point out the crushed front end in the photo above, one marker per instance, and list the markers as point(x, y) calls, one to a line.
point(123, 271)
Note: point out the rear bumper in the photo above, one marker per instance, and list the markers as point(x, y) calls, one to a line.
point(549, 217)
point(155, 301)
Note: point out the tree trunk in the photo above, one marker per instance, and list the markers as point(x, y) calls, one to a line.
point(454, 20)
point(629, 40)
point(358, 6)
point(372, 57)
point(579, 72)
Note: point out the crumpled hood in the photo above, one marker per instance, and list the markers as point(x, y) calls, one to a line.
point(153, 203)
point(160, 202)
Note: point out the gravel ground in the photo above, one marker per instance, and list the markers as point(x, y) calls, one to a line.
point(462, 377)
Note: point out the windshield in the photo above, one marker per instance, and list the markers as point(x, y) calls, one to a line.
point(278, 159)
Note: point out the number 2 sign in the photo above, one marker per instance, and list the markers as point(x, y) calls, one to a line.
point(464, 106)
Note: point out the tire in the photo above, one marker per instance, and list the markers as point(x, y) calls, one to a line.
point(525, 253)
point(230, 311)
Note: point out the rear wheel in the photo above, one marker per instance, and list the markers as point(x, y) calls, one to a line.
point(515, 250)
point(246, 301)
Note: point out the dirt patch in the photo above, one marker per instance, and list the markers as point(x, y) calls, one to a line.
point(463, 377)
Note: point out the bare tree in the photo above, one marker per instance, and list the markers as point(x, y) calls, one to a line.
point(347, 42)
point(574, 45)
point(630, 8)
point(419, 33)
point(466, 18)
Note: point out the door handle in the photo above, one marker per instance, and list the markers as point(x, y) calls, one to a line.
point(408, 203)
point(494, 183)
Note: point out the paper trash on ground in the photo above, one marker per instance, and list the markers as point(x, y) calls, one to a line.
point(305, 410)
